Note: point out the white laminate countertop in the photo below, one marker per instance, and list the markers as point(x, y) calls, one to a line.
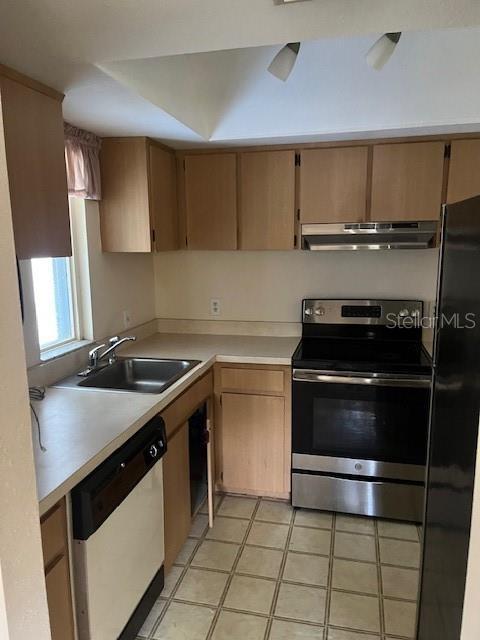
point(82, 427)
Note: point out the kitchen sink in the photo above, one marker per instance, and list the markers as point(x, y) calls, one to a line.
point(144, 375)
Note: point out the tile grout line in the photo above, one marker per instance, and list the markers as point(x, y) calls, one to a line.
point(278, 584)
point(223, 597)
point(379, 581)
point(279, 579)
point(182, 574)
point(330, 576)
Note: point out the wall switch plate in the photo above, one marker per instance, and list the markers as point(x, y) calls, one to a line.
point(214, 306)
point(127, 319)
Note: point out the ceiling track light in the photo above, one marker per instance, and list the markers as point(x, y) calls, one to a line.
point(282, 64)
point(381, 52)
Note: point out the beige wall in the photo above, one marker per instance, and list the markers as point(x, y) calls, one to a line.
point(269, 286)
point(118, 282)
point(471, 611)
point(24, 606)
point(107, 284)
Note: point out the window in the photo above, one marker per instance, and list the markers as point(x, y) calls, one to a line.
point(54, 301)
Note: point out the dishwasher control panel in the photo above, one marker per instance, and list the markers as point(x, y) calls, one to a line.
point(156, 449)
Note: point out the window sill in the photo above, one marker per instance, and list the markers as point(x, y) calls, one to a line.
point(58, 352)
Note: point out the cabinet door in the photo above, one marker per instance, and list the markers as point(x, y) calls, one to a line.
point(407, 180)
point(267, 200)
point(464, 170)
point(35, 150)
point(253, 443)
point(163, 197)
point(211, 201)
point(333, 184)
point(59, 600)
point(53, 527)
point(124, 208)
point(176, 491)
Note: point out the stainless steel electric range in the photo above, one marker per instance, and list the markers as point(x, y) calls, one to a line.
point(361, 397)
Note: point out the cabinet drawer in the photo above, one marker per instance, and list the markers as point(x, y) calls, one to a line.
point(53, 533)
point(183, 407)
point(252, 380)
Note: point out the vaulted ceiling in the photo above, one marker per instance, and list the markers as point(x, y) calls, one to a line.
point(191, 72)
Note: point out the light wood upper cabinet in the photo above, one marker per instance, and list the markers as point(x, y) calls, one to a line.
point(464, 170)
point(35, 153)
point(333, 184)
point(138, 196)
point(267, 200)
point(407, 181)
point(163, 198)
point(211, 201)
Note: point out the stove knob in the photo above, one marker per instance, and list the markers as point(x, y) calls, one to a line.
point(153, 451)
point(308, 311)
point(403, 313)
point(320, 311)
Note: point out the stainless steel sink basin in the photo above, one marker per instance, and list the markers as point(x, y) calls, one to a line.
point(144, 375)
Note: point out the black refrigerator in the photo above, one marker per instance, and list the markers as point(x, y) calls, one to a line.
point(454, 420)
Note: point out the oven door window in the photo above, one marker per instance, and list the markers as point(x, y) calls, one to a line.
point(387, 424)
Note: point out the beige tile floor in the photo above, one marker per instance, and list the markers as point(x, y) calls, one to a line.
point(269, 572)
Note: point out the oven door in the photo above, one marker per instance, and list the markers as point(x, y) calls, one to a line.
point(360, 424)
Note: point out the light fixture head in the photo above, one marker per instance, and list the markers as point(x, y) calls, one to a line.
point(380, 53)
point(282, 64)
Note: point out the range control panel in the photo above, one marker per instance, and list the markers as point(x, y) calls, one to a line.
point(377, 312)
point(359, 311)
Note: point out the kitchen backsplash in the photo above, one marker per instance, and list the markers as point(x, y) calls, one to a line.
point(268, 286)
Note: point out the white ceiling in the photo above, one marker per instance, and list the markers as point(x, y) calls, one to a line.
point(126, 70)
point(228, 96)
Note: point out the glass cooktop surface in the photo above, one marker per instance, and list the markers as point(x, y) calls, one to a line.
point(382, 356)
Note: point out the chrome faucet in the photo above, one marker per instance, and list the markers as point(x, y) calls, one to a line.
point(95, 357)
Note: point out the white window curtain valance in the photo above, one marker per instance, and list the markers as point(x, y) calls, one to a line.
point(83, 164)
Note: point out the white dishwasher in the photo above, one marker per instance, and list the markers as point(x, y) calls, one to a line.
point(119, 538)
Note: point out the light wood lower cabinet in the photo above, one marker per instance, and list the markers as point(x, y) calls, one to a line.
point(176, 465)
point(57, 580)
point(53, 527)
point(176, 491)
point(253, 429)
point(253, 443)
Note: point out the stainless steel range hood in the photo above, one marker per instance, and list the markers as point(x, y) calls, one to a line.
point(369, 235)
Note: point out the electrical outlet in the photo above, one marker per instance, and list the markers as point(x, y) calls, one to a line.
point(127, 319)
point(214, 306)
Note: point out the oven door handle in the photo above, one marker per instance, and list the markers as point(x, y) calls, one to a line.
point(383, 380)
